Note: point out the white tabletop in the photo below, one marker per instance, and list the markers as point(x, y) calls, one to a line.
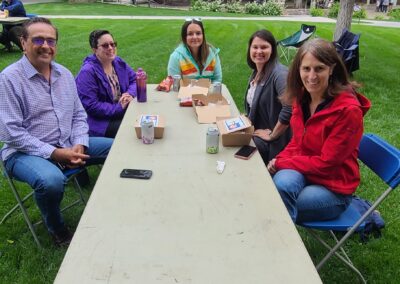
point(187, 224)
point(13, 20)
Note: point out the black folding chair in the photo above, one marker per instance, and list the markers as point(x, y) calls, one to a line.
point(348, 48)
point(384, 160)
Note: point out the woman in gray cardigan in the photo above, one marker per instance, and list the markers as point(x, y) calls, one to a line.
point(262, 100)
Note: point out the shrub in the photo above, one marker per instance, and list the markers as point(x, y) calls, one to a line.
point(395, 14)
point(316, 12)
point(234, 7)
point(198, 5)
point(252, 8)
point(272, 8)
point(212, 6)
point(361, 14)
point(216, 6)
point(334, 10)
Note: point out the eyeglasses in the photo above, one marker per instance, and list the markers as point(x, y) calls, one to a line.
point(193, 19)
point(39, 41)
point(107, 45)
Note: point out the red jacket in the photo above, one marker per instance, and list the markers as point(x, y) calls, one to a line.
point(325, 148)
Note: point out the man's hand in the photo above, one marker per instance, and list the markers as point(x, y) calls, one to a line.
point(72, 157)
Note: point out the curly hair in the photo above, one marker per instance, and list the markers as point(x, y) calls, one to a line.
point(95, 35)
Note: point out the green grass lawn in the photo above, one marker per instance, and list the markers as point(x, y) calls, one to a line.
point(147, 44)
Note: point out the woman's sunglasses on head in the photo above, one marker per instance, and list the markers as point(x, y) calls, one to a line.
point(193, 19)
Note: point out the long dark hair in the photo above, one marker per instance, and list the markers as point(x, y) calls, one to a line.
point(204, 48)
point(326, 53)
point(268, 37)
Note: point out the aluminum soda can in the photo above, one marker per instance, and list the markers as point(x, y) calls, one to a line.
point(147, 129)
point(177, 82)
point(212, 140)
point(217, 88)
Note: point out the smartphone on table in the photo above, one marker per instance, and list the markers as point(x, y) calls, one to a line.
point(136, 173)
point(245, 152)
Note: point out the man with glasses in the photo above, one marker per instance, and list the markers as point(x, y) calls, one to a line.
point(43, 124)
point(11, 33)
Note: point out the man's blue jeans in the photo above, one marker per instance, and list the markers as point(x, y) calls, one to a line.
point(308, 202)
point(48, 181)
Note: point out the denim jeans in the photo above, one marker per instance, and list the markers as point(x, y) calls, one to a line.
point(48, 181)
point(308, 202)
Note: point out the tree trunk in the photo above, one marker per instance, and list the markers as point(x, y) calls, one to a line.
point(344, 17)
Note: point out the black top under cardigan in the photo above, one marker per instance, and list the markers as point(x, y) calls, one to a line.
point(267, 109)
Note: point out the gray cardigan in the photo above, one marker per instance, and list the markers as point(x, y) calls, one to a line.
point(266, 110)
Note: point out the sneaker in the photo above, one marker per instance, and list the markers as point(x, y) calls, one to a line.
point(62, 238)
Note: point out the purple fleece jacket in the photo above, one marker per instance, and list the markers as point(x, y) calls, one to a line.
point(95, 92)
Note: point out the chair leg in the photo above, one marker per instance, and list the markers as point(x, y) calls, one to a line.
point(79, 190)
point(81, 198)
point(20, 204)
point(15, 208)
point(345, 260)
point(24, 213)
point(341, 248)
point(354, 228)
point(283, 53)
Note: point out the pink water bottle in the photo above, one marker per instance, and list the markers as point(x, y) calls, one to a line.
point(141, 81)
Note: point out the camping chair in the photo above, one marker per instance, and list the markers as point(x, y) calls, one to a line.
point(383, 159)
point(295, 40)
point(347, 46)
point(70, 174)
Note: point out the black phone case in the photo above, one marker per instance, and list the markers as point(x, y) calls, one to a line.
point(137, 174)
point(245, 152)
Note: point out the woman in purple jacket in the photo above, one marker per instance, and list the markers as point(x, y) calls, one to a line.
point(106, 85)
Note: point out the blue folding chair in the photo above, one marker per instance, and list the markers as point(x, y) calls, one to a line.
point(70, 174)
point(383, 159)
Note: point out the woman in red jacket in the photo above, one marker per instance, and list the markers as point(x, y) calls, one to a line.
point(318, 170)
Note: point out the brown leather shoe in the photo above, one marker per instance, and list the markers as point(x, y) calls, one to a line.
point(62, 238)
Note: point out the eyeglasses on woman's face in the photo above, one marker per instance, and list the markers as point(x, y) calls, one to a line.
point(106, 45)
